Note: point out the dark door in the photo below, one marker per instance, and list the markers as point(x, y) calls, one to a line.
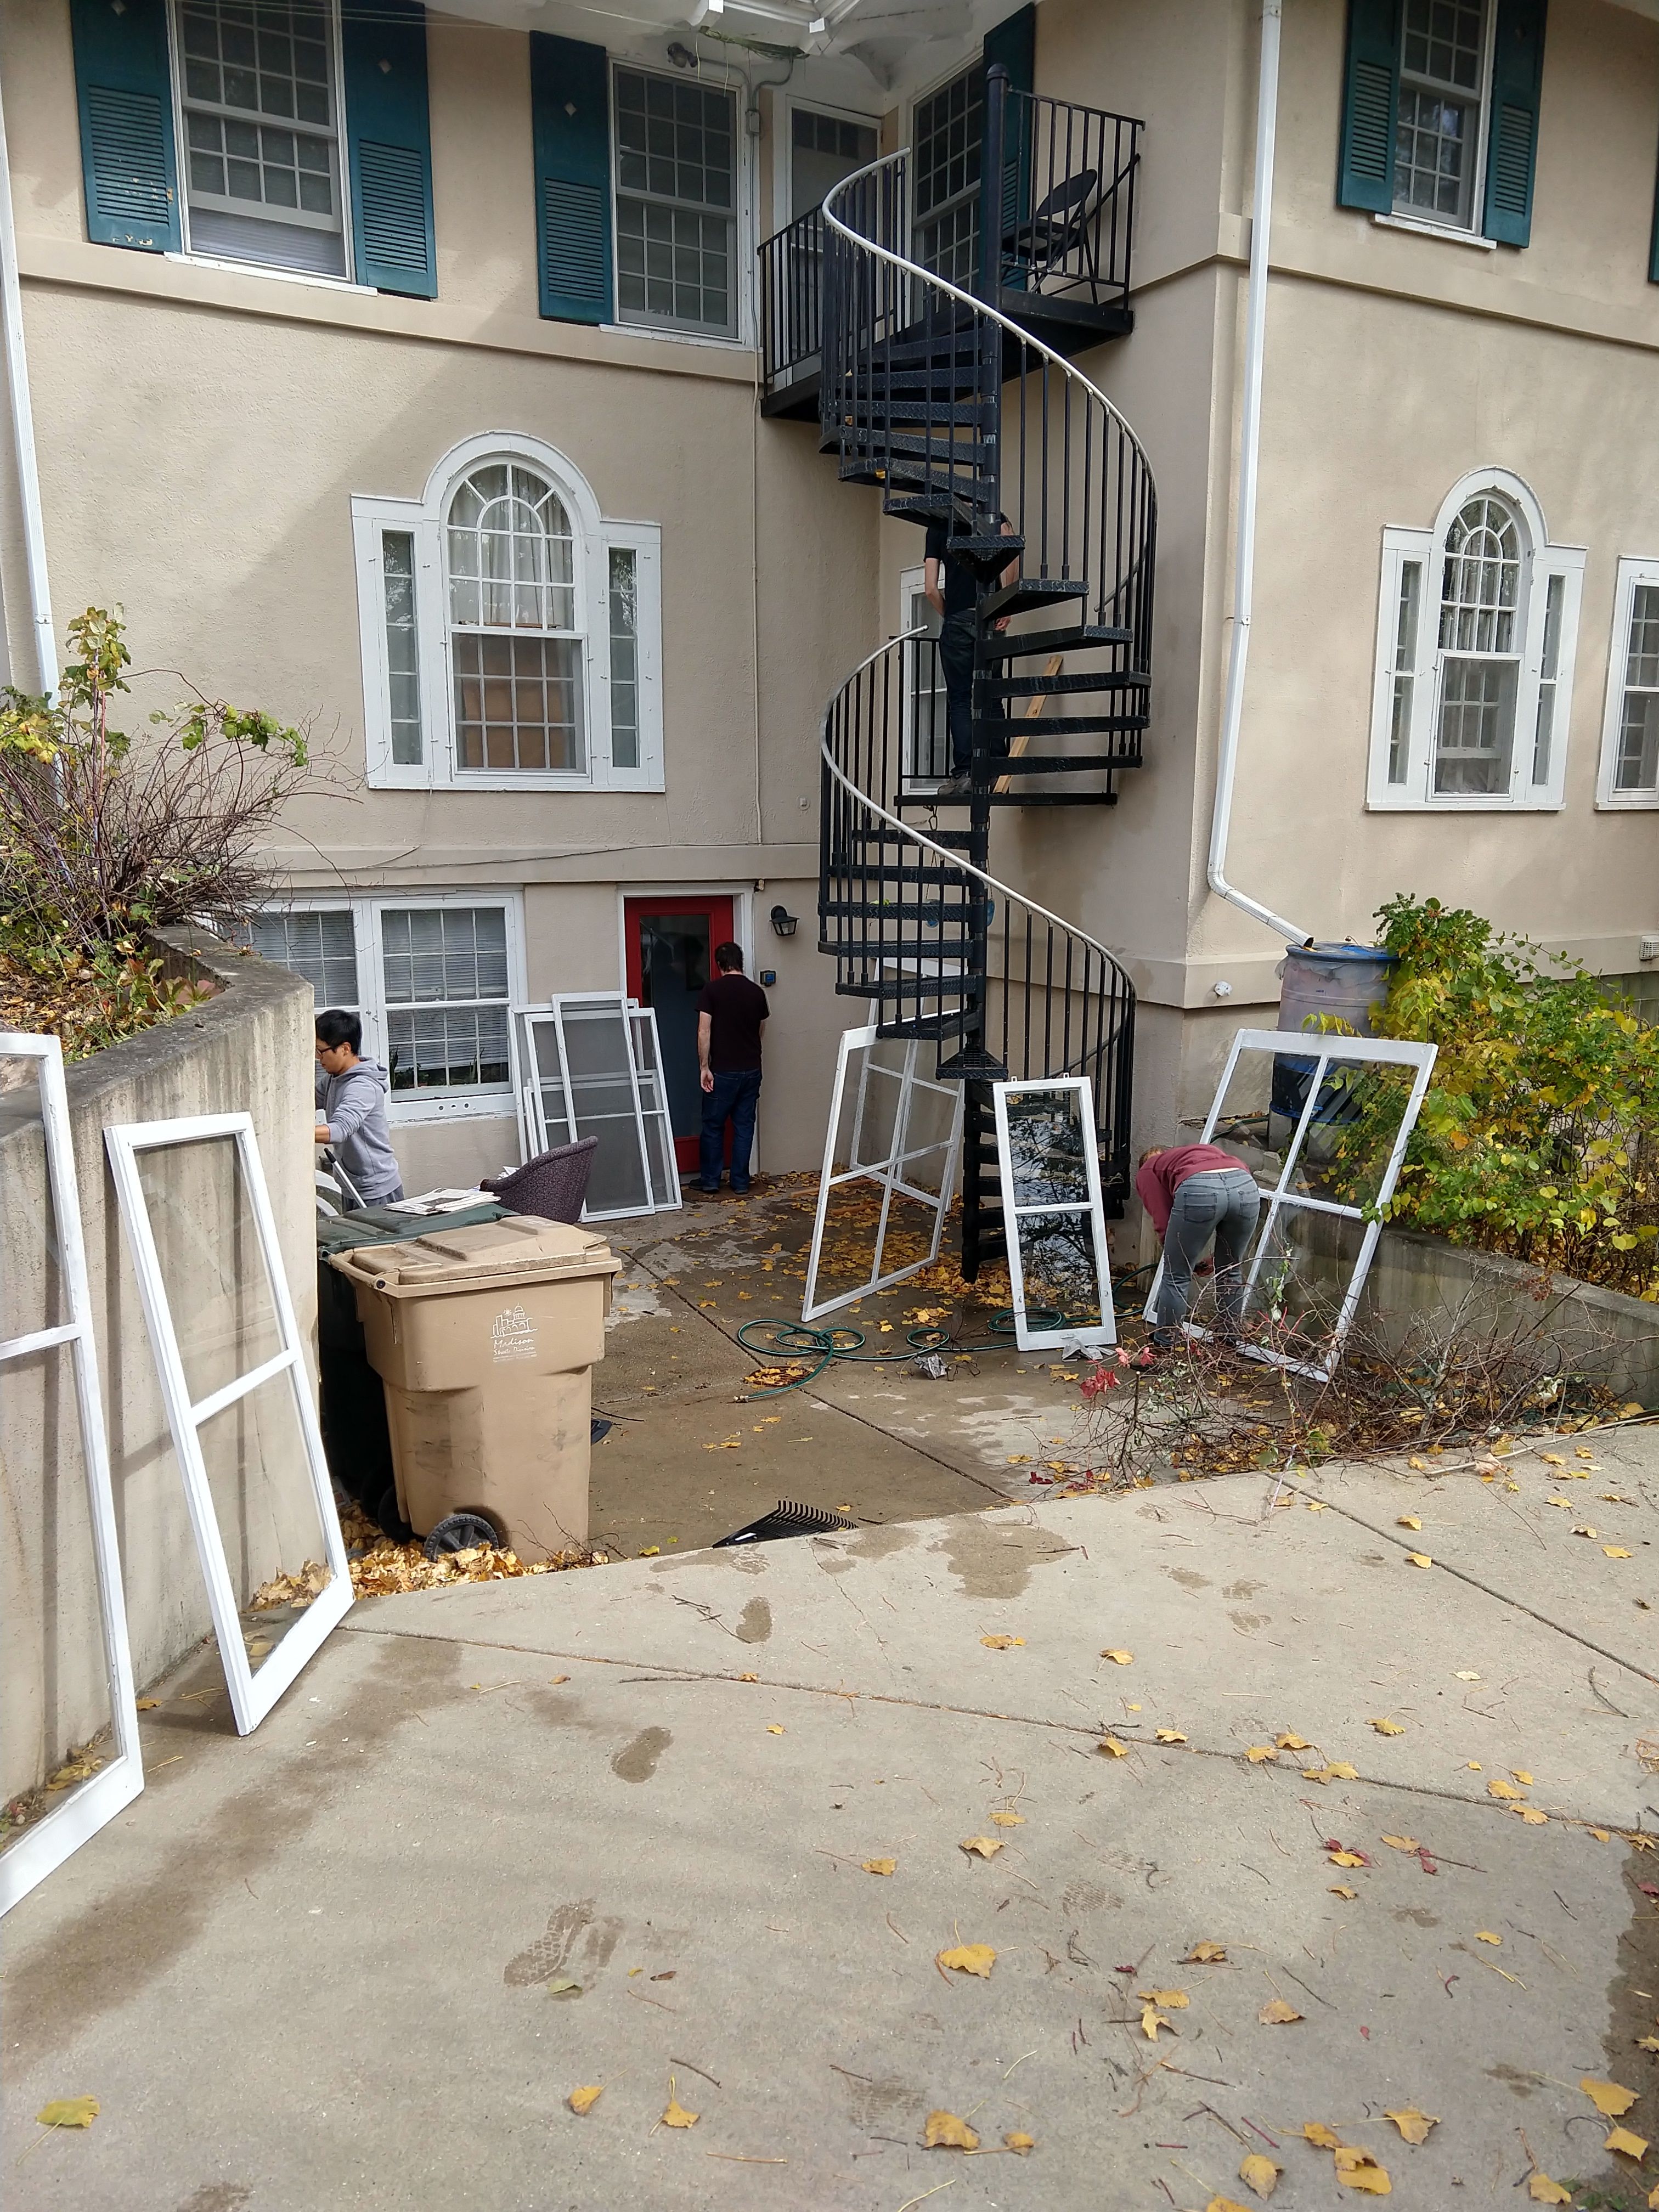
point(670, 956)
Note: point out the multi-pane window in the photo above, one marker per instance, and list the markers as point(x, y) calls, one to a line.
point(445, 979)
point(1479, 644)
point(945, 170)
point(1630, 745)
point(1549, 680)
point(676, 204)
point(261, 127)
point(823, 150)
point(927, 724)
point(403, 644)
point(624, 602)
point(1444, 65)
point(514, 639)
point(1405, 668)
point(322, 946)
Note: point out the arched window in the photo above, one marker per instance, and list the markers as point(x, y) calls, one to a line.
point(514, 644)
point(510, 634)
point(1474, 654)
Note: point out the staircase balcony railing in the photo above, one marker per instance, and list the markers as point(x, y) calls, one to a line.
point(791, 265)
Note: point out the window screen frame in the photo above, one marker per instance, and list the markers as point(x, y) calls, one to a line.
point(1634, 570)
point(336, 130)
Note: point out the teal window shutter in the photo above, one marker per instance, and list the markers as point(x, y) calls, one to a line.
point(1517, 70)
point(1013, 42)
point(570, 113)
point(1370, 107)
point(124, 84)
point(389, 140)
point(1653, 251)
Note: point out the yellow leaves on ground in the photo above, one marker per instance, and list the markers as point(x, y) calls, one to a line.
point(1120, 1658)
point(984, 1847)
point(1206, 1955)
point(1409, 1521)
point(945, 2131)
point(1498, 1788)
point(1169, 1736)
point(1615, 1552)
point(1008, 1820)
point(1341, 1889)
point(585, 2099)
point(1486, 1935)
point(1259, 2174)
point(1258, 1752)
point(1543, 2190)
point(1177, 1999)
point(1338, 1771)
point(1552, 1459)
point(69, 2112)
point(1321, 2136)
point(880, 1866)
point(1277, 2013)
point(1533, 1817)
point(147, 1705)
point(1467, 1674)
point(968, 1958)
point(1224, 2204)
point(773, 1727)
point(742, 1678)
point(1357, 2169)
point(1401, 1843)
point(1417, 1559)
point(1629, 2146)
point(1291, 1742)
point(1110, 1747)
point(1150, 2020)
point(1412, 2123)
point(1521, 1774)
point(1386, 1727)
point(1344, 1858)
point(677, 2116)
point(1608, 2099)
point(1021, 2144)
point(1001, 1642)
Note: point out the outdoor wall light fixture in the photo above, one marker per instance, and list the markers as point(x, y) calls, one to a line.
point(784, 923)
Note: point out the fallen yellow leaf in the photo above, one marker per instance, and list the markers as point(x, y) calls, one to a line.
point(1344, 1858)
point(1206, 1955)
point(968, 1958)
point(1339, 1771)
point(1412, 2123)
point(1340, 1889)
point(1357, 2169)
point(1224, 2204)
point(147, 1705)
point(677, 2116)
point(1009, 1819)
point(1498, 1788)
point(1177, 2000)
point(1150, 2020)
point(1388, 1728)
point(1418, 1559)
point(1630, 2146)
point(1110, 1747)
point(1602, 1835)
point(1467, 1674)
point(1000, 1642)
point(1169, 1736)
point(1259, 2174)
point(1543, 2190)
point(69, 2112)
point(1021, 2145)
point(1277, 2014)
point(1120, 1658)
point(1646, 2043)
point(1608, 2099)
point(1409, 1521)
point(1400, 1843)
point(1552, 1459)
point(880, 1866)
point(1291, 1742)
point(1258, 1752)
point(585, 2099)
point(1615, 1552)
point(945, 2131)
point(1533, 1817)
point(1326, 2138)
point(984, 1847)
point(1521, 1775)
point(772, 1729)
point(1486, 1935)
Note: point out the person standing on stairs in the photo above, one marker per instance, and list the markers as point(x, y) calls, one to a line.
point(1195, 1193)
point(731, 1014)
point(951, 588)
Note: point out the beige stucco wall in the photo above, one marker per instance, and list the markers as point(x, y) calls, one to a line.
point(247, 1050)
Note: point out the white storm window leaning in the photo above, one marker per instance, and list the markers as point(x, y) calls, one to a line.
point(511, 634)
point(1629, 732)
point(1477, 623)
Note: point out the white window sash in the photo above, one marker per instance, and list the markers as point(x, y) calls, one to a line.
point(485, 1101)
point(1633, 570)
point(1568, 563)
point(370, 519)
point(644, 541)
point(1400, 547)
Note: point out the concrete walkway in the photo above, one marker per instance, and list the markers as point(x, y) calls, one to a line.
point(332, 1965)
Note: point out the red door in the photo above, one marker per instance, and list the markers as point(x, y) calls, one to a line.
point(670, 956)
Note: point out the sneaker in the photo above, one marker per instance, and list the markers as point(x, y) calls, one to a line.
point(956, 787)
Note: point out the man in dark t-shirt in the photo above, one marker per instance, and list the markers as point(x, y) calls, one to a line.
point(731, 1012)
point(951, 588)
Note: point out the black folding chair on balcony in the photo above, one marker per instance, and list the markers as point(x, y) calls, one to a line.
point(1040, 245)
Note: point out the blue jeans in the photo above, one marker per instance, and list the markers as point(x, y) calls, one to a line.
point(735, 1097)
point(1223, 1203)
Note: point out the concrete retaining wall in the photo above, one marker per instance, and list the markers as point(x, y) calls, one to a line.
point(247, 1048)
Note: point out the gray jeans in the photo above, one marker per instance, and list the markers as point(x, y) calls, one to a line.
point(1223, 1203)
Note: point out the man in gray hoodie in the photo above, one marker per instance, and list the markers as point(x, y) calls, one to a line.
point(351, 1095)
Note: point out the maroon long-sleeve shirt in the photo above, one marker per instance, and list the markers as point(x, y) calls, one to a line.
point(1161, 1178)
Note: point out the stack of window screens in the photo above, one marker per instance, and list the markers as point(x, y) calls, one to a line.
point(1048, 1157)
point(70, 1694)
point(590, 1065)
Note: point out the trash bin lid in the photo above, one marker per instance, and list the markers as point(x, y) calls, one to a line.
point(518, 1245)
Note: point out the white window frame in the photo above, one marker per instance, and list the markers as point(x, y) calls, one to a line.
point(1074, 1339)
point(90, 1805)
point(783, 139)
point(1540, 561)
point(594, 534)
point(911, 582)
point(1426, 217)
point(495, 1103)
point(740, 330)
point(220, 259)
point(1633, 569)
point(251, 1696)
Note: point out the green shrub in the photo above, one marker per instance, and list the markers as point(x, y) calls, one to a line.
point(1539, 1136)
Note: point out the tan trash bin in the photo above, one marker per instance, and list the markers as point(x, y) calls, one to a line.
point(485, 1339)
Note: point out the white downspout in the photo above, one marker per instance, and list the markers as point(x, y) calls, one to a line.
point(1249, 465)
point(22, 435)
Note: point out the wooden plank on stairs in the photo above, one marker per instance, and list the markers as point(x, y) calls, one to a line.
point(1034, 707)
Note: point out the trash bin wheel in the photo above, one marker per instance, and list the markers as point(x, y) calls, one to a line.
point(392, 1520)
point(461, 1531)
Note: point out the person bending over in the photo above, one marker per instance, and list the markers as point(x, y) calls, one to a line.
point(1195, 1193)
point(351, 1095)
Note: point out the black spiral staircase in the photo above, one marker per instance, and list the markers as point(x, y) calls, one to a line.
point(961, 415)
